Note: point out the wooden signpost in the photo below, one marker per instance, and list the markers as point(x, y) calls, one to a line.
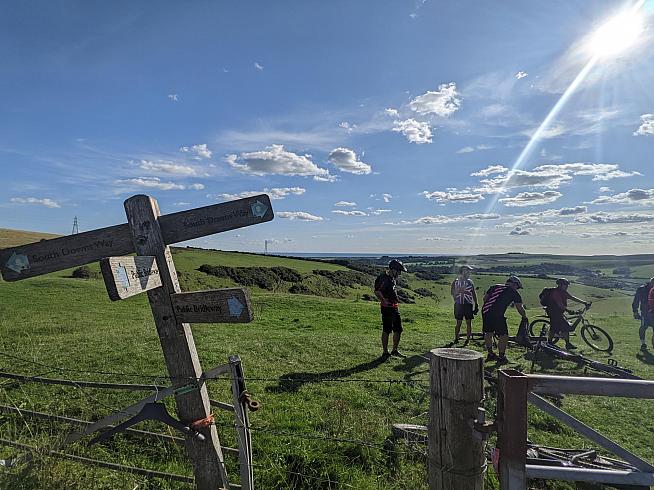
point(148, 233)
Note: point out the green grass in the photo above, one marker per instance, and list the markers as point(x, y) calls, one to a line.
point(313, 341)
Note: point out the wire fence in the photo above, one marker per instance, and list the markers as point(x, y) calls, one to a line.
point(83, 386)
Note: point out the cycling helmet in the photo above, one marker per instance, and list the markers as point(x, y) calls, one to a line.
point(396, 265)
point(515, 280)
point(562, 280)
point(466, 267)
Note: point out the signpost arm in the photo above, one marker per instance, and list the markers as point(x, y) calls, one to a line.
point(177, 343)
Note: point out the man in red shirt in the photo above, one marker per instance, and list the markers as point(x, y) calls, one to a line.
point(556, 309)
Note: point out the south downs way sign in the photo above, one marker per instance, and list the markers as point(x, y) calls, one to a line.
point(62, 253)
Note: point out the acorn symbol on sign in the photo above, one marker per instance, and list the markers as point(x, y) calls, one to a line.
point(258, 209)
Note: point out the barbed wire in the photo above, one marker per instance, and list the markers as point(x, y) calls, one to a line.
point(309, 378)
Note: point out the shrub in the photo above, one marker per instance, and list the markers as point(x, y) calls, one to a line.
point(424, 292)
point(405, 297)
point(345, 278)
point(84, 272)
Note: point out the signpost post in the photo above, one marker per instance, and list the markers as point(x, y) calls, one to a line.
point(148, 233)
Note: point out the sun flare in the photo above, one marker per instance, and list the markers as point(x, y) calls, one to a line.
point(617, 35)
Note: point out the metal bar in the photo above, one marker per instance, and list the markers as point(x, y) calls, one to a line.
point(613, 477)
point(215, 372)
point(86, 384)
point(555, 385)
point(243, 423)
point(589, 432)
point(223, 405)
point(69, 420)
point(103, 464)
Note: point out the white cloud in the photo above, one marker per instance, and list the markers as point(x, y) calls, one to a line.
point(349, 213)
point(605, 189)
point(608, 218)
point(531, 198)
point(173, 97)
point(276, 160)
point(274, 193)
point(442, 220)
point(415, 131)
point(345, 204)
point(197, 187)
point(167, 167)
point(151, 182)
point(346, 161)
point(443, 102)
point(599, 171)
point(646, 125)
point(387, 197)
point(453, 195)
point(391, 112)
point(491, 169)
point(377, 212)
point(466, 149)
point(346, 125)
point(258, 66)
point(47, 202)
point(524, 178)
point(521, 74)
point(643, 197)
point(200, 151)
point(572, 211)
point(181, 203)
point(518, 231)
point(300, 215)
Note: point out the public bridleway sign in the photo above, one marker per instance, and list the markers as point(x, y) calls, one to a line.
point(62, 253)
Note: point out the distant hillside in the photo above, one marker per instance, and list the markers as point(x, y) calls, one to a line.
point(13, 238)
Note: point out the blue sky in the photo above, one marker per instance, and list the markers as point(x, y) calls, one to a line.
point(375, 126)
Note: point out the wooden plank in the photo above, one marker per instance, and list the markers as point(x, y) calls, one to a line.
point(590, 433)
point(177, 343)
point(512, 429)
point(230, 305)
point(455, 451)
point(198, 222)
point(573, 385)
point(62, 253)
point(129, 275)
point(35, 259)
point(630, 479)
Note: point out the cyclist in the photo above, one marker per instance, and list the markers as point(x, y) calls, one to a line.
point(557, 306)
point(385, 286)
point(496, 301)
point(640, 309)
point(465, 301)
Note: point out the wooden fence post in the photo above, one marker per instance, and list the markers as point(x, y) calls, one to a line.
point(177, 343)
point(456, 457)
point(512, 429)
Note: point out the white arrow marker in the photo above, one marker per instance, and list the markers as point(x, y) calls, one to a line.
point(235, 306)
point(18, 262)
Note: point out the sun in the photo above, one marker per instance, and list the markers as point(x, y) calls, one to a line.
point(617, 35)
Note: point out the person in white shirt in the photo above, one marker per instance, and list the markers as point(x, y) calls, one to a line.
point(465, 301)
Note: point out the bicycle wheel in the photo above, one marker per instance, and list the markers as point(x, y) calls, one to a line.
point(597, 338)
point(539, 328)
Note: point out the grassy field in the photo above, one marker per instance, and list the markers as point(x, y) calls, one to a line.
point(313, 362)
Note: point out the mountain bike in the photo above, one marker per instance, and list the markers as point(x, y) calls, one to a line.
point(597, 338)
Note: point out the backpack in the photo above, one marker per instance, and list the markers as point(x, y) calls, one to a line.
point(544, 296)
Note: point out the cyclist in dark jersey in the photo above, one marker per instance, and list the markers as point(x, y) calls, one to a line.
point(389, 303)
point(640, 309)
point(496, 301)
point(556, 308)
